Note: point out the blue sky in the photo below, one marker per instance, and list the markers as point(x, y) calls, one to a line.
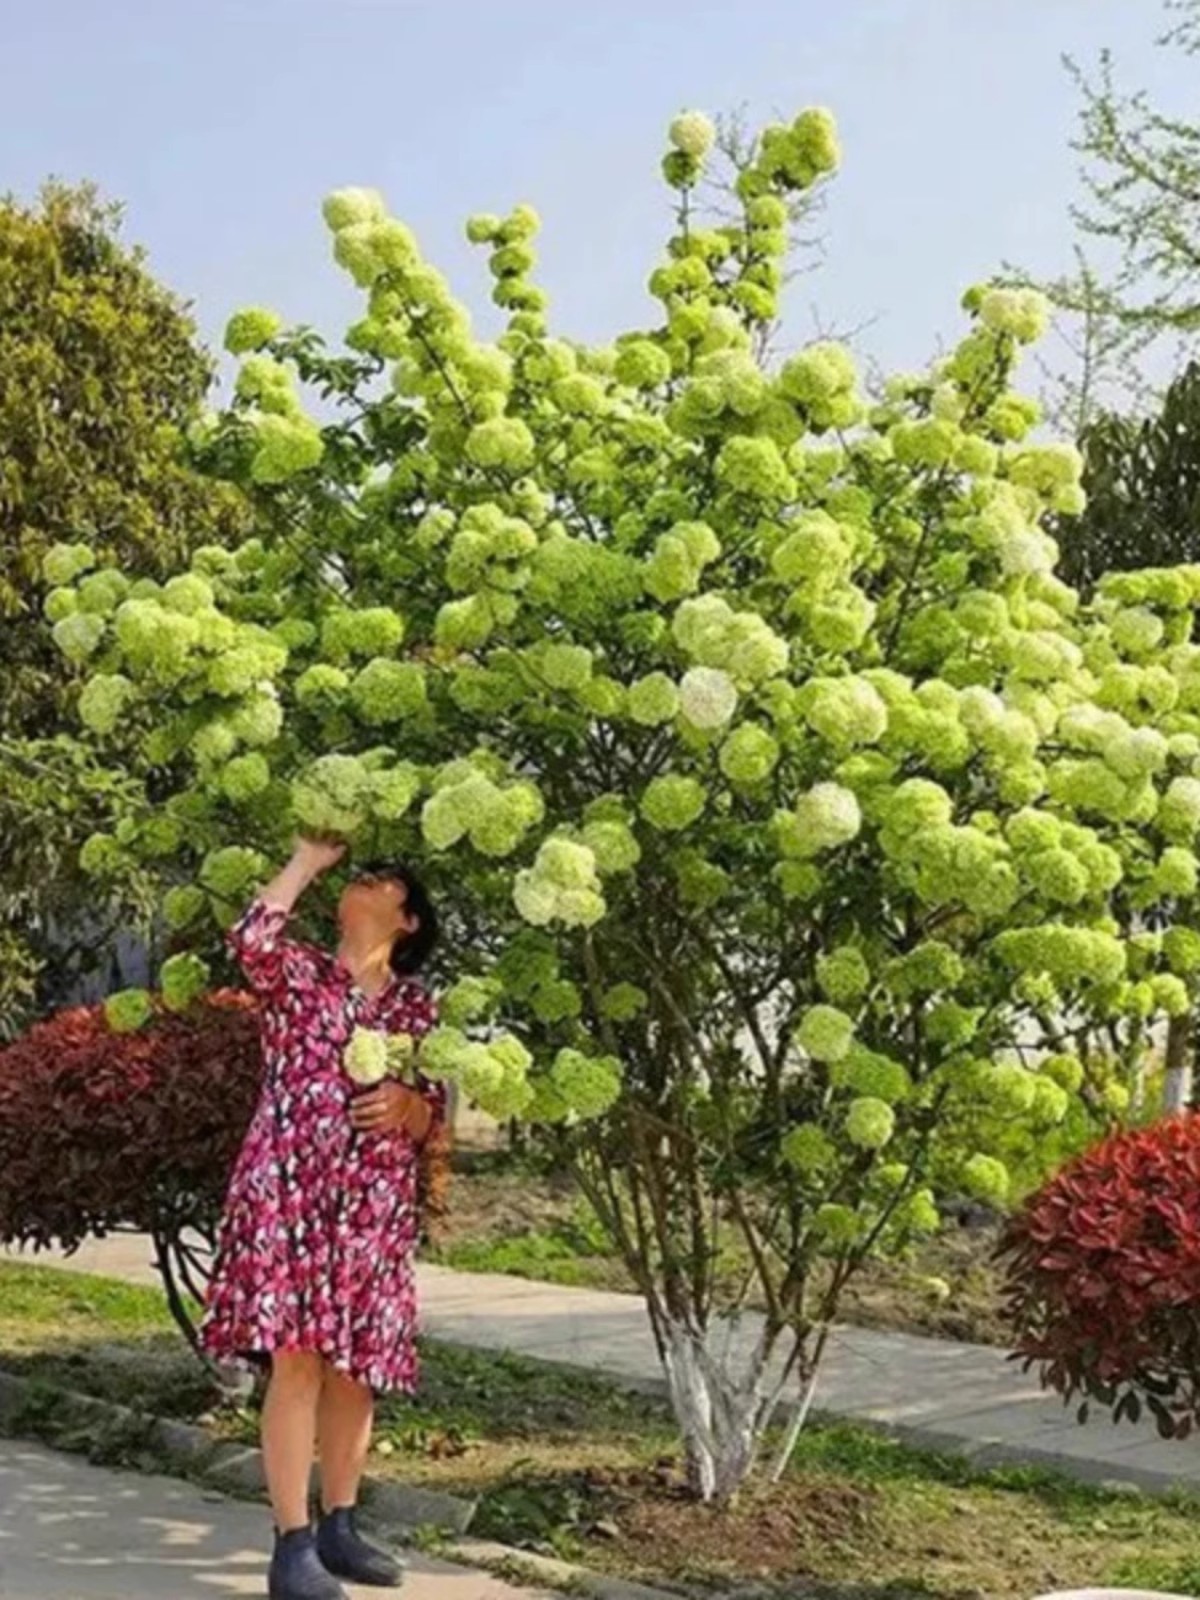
point(221, 123)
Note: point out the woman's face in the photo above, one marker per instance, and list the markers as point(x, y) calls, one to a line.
point(375, 907)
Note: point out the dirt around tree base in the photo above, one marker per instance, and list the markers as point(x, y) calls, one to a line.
point(848, 1527)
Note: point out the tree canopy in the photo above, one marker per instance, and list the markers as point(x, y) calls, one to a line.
point(100, 376)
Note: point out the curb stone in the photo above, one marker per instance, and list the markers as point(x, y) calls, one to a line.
point(226, 1463)
point(551, 1571)
point(987, 1453)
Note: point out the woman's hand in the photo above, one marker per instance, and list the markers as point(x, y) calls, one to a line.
point(392, 1108)
point(318, 855)
point(310, 858)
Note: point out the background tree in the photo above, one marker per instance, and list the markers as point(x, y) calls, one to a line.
point(1131, 309)
point(1142, 478)
point(796, 825)
point(100, 375)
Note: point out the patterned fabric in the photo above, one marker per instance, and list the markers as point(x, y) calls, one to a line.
point(316, 1245)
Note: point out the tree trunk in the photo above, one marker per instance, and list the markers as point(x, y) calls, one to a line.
point(1177, 1090)
point(723, 1400)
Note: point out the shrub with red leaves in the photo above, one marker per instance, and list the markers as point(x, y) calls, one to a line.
point(104, 1131)
point(1103, 1277)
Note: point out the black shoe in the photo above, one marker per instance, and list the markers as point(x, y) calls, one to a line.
point(344, 1552)
point(297, 1572)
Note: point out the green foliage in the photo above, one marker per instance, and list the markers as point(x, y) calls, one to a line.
point(725, 670)
point(1142, 477)
point(100, 376)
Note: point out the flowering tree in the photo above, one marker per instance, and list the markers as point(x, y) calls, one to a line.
point(781, 798)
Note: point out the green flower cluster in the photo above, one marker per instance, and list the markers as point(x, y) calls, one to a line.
point(561, 886)
point(493, 1075)
point(250, 329)
point(365, 1057)
point(128, 1010)
point(467, 804)
point(183, 979)
point(589, 1085)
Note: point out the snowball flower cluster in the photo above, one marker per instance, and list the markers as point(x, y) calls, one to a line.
point(250, 329)
point(104, 701)
point(128, 1010)
point(693, 133)
point(808, 1149)
point(823, 380)
point(870, 1123)
point(678, 560)
point(825, 1033)
point(825, 817)
point(183, 978)
point(673, 802)
point(707, 697)
point(589, 1085)
point(467, 804)
point(740, 643)
point(387, 691)
point(332, 797)
point(63, 563)
point(1023, 313)
point(494, 1075)
point(749, 756)
point(232, 872)
point(984, 1178)
point(365, 1057)
point(653, 700)
point(561, 886)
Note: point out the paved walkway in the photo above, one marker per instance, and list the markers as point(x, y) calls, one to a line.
point(71, 1531)
point(966, 1398)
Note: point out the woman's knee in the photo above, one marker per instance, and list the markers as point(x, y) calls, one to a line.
point(333, 1378)
point(297, 1371)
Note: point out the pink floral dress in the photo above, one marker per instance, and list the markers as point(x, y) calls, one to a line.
point(316, 1244)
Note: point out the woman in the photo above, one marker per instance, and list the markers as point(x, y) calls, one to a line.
point(314, 1272)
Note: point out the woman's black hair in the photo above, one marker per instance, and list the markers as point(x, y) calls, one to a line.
point(409, 954)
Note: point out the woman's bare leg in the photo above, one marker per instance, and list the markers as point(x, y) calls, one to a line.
point(289, 1426)
point(344, 1418)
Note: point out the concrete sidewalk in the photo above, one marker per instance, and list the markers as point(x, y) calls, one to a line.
point(71, 1531)
point(955, 1397)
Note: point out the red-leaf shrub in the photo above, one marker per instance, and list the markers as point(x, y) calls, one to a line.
point(1103, 1277)
point(102, 1131)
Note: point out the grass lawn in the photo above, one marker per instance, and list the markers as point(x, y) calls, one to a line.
point(573, 1466)
point(506, 1216)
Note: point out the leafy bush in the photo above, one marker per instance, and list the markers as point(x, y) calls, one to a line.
point(102, 1131)
point(1104, 1277)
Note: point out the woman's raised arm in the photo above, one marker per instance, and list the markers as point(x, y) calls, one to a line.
point(310, 858)
point(256, 939)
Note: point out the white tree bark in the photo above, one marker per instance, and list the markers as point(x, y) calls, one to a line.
point(723, 1398)
point(1177, 1086)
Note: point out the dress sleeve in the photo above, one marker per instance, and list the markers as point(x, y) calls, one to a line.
point(270, 962)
